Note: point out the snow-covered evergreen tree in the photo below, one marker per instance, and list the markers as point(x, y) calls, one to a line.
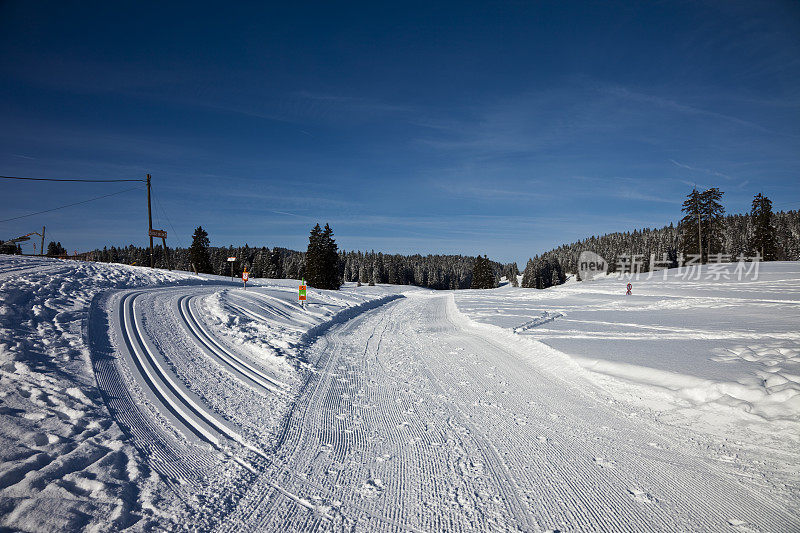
point(763, 239)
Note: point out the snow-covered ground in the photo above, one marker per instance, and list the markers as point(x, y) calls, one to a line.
point(141, 399)
point(719, 356)
point(719, 345)
point(65, 462)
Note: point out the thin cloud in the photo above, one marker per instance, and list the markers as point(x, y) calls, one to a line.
point(674, 105)
point(705, 170)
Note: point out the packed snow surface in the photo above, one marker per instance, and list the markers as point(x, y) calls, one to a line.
point(716, 344)
point(140, 399)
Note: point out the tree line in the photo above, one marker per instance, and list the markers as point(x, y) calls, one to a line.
point(704, 231)
point(323, 265)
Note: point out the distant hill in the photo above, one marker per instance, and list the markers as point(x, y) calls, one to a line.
point(736, 232)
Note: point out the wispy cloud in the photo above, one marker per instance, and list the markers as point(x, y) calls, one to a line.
point(632, 194)
point(674, 105)
point(354, 103)
point(704, 170)
point(711, 172)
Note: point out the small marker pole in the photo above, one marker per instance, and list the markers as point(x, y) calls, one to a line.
point(302, 294)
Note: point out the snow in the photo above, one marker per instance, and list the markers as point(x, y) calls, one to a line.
point(64, 462)
point(711, 344)
point(720, 356)
point(145, 399)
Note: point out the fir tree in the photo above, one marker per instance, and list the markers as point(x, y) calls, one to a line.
point(543, 272)
point(712, 212)
point(54, 249)
point(322, 259)
point(315, 258)
point(198, 251)
point(275, 267)
point(482, 275)
point(331, 271)
point(763, 238)
point(691, 224)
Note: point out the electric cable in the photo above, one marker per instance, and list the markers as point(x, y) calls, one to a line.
point(67, 179)
point(72, 204)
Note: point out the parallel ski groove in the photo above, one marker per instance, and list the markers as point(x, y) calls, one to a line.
point(238, 364)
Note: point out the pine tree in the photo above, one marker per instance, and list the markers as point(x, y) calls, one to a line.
point(691, 225)
point(54, 249)
point(477, 268)
point(198, 252)
point(322, 259)
point(763, 238)
point(275, 267)
point(712, 212)
point(482, 275)
point(315, 256)
point(331, 270)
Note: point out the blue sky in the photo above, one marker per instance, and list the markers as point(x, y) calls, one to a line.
point(500, 128)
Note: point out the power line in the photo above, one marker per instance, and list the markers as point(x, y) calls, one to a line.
point(60, 179)
point(70, 205)
point(164, 212)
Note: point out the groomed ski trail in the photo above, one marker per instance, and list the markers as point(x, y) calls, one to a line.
point(415, 421)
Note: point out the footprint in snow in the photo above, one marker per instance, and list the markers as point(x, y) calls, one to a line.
point(641, 496)
point(371, 488)
point(740, 525)
point(604, 463)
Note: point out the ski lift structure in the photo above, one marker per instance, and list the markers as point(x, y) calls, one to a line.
point(27, 237)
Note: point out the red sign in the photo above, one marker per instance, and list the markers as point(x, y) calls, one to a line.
point(629, 289)
point(245, 276)
point(302, 293)
point(160, 233)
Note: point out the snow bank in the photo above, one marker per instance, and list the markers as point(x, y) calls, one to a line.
point(343, 316)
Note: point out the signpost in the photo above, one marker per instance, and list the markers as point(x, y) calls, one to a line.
point(160, 234)
point(245, 277)
point(629, 289)
point(301, 295)
point(231, 260)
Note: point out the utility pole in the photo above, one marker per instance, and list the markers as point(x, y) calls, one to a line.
point(166, 255)
point(41, 251)
point(149, 221)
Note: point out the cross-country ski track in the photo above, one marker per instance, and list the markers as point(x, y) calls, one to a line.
point(402, 417)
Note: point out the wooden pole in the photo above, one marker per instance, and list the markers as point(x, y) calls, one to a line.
point(149, 221)
point(166, 256)
point(41, 251)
